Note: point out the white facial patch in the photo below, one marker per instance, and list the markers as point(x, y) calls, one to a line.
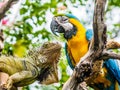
point(67, 26)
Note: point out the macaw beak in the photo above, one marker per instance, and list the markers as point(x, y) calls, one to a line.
point(60, 25)
point(56, 26)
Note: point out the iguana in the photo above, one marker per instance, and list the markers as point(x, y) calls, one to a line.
point(40, 64)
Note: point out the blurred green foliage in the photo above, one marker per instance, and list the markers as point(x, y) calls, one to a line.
point(31, 27)
point(115, 3)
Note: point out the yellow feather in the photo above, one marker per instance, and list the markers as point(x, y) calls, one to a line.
point(78, 44)
point(116, 85)
point(101, 78)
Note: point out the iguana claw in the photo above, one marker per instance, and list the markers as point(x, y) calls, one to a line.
point(8, 84)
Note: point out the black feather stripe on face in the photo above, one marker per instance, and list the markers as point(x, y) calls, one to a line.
point(70, 33)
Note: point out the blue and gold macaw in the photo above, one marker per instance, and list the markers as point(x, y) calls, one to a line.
point(78, 39)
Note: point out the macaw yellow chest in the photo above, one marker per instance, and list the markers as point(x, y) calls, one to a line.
point(78, 47)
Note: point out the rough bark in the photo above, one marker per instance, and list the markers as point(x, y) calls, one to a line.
point(111, 44)
point(89, 66)
point(108, 55)
point(1, 41)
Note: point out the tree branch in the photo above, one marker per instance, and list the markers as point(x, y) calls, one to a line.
point(111, 44)
point(98, 25)
point(5, 7)
point(107, 55)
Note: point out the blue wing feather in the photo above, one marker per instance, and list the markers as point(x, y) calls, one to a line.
point(68, 57)
point(89, 34)
point(114, 68)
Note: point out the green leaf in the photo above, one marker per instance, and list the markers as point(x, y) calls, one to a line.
point(23, 10)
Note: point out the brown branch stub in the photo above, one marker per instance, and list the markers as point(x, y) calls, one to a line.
point(111, 44)
point(107, 55)
point(6, 7)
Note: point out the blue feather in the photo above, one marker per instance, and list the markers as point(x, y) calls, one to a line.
point(113, 67)
point(72, 16)
point(89, 34)
point(68, 57)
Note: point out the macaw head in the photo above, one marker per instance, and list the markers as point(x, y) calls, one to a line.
point(64, 23)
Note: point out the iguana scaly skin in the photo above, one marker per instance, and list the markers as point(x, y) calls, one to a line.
point(40, 64)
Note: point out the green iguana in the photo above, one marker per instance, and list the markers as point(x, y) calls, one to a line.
point(40, 64)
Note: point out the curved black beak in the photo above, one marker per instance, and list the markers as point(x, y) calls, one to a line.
point(61, 24)
point(56, 26)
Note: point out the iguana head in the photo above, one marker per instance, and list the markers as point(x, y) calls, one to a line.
point(47, 57)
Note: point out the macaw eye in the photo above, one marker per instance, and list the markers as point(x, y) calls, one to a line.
point(59, 18)
point(64, 18)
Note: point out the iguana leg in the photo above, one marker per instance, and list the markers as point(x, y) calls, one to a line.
point(3, 79)
point(17, 77)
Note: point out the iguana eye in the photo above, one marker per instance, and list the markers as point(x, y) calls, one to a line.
point(42, 59)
